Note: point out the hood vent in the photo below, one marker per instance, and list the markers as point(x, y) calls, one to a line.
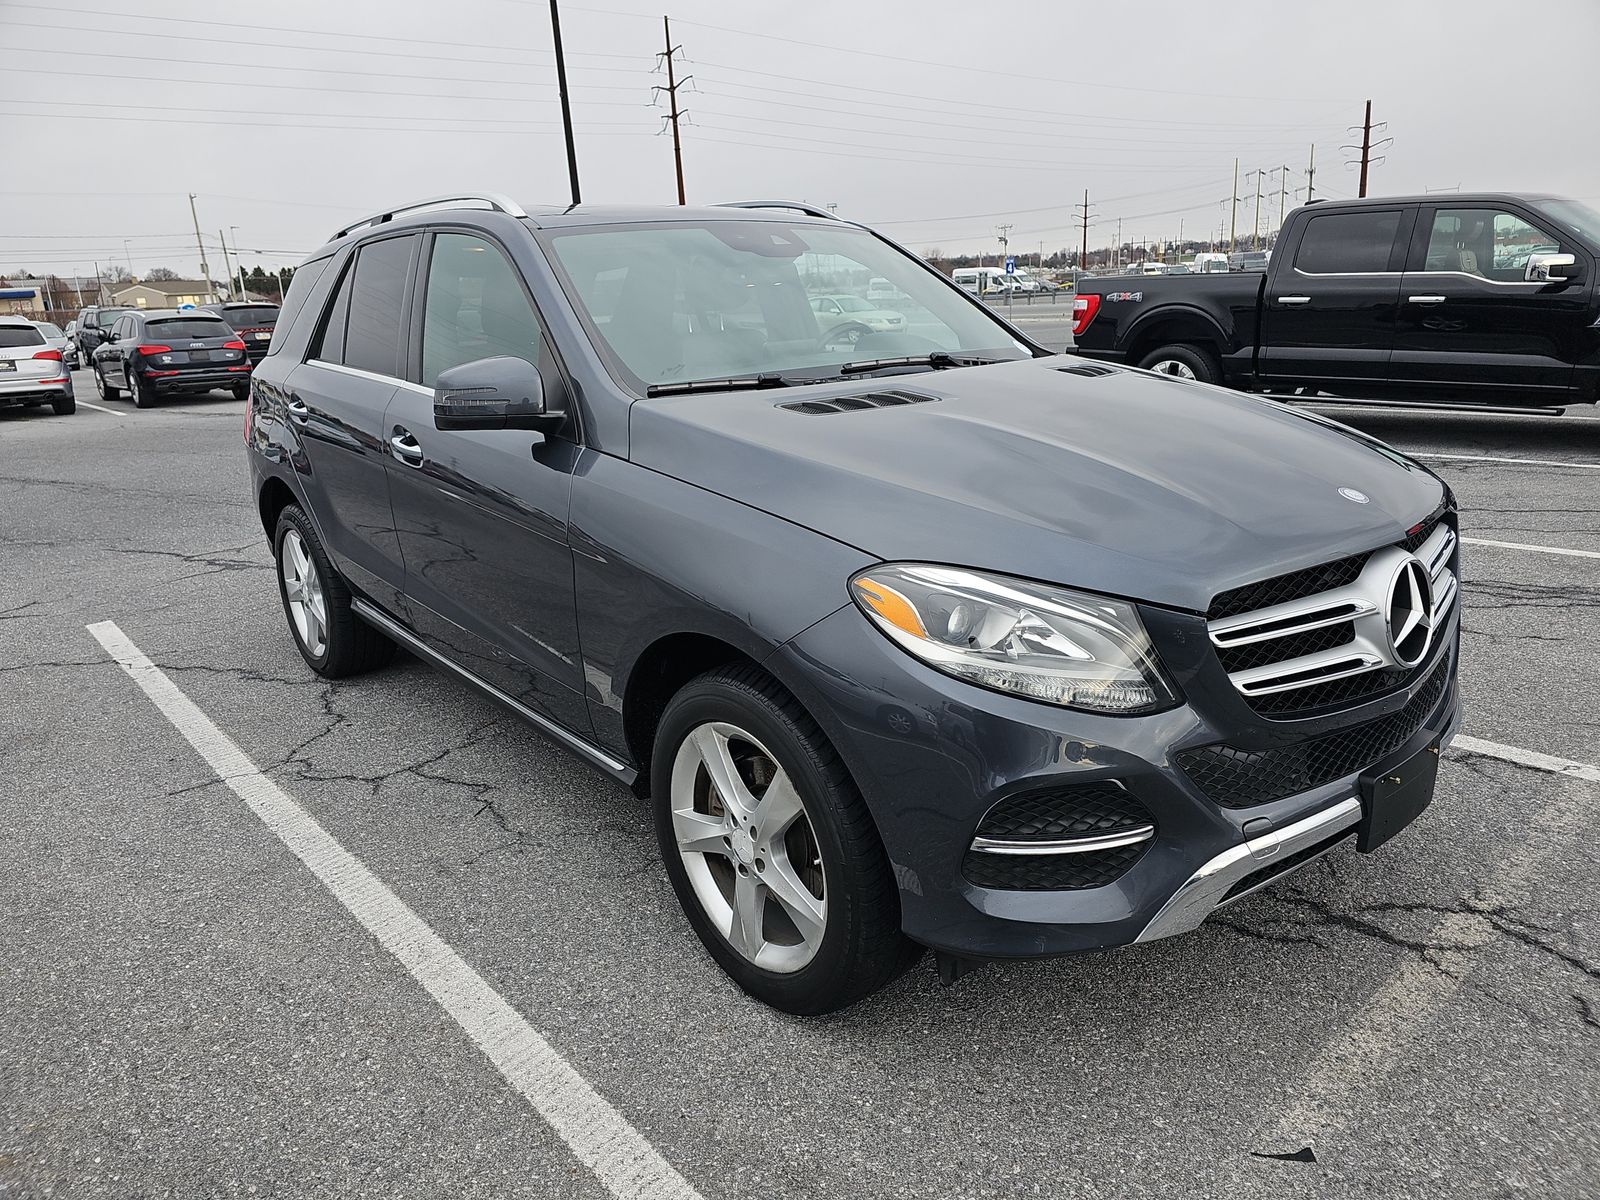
point(1090, 369)
point(839, 404)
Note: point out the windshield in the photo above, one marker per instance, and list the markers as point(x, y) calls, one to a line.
point(1578, 217)
point(673, 303)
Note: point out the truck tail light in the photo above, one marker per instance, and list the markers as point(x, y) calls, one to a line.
point(52, 355)
point(1084, 309)
point(155, 349)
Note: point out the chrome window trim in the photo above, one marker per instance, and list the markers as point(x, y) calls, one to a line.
point(372, 375)
point(1301, 271)
point(1078, 845)
point(1530, 284)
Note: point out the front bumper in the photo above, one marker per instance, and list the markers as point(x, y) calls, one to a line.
point(932, 755)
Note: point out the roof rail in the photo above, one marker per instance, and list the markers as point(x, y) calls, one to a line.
point(494, 200)
point(811, 210)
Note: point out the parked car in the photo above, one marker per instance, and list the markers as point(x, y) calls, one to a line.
point(845, 320)
point(94, 323)
point(31, 370)
point(252, 321)
point(162, 352)
point(1398, 298)
point(939, 640)
point(69, 352)
point(54, 337)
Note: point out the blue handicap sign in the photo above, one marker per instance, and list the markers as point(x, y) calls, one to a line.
point(186, 308)
point(1011, 265)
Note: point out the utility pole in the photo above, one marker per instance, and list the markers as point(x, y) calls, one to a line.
point(1083, 253)
point(1311, 172)
point(1283, 191)
point(1366, 149)
point(205, 268)
point(566, 104)
point(99, 286)
point(1001, 231)
point(1119, 242)
point(1255, 229)
point(227, 263)
point(673, 84)
point(1233, 232)
point(234, 230)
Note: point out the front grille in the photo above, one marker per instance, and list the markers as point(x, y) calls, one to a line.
point(1238, 778)
point(1335, 694)
point(1296, 585)
point(1257, 654)
point(1053, 814)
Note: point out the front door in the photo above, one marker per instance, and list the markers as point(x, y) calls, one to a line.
point(482, 514)
point(337, 399)
point(1472, 327)
point(1328, 316)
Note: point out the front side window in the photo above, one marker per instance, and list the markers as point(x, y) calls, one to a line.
point(1486, 242)
point(1347, 243)
point(677, 302)
point(377, 298)
point(475, 307)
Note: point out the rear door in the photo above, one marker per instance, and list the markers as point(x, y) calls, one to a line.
point(113, 357)
point(1328, 315)
point(1472, 327)
point(336, 400)
point(482, 513)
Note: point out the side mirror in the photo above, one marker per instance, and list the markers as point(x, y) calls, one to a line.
point(1551, 268)
point(493, 393)
point(109, 337)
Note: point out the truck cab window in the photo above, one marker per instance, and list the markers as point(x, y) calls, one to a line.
point(1347, 243)
point(1484, 242)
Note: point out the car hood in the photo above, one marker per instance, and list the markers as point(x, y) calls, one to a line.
point(1123, 482)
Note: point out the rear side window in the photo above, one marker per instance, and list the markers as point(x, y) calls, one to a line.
point(13, 337)
point(372, 338)
point(187, 327)
point(301, 286)
point(330, 344)
point(1346, 243)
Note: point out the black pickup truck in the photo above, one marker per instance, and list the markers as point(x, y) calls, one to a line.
point(1475, 299)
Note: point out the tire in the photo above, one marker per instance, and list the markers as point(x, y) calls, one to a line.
point(1184, 361)
point(850, 895)
point(140, 394)
point(241, 391)
point(107, 391)
point(65, 406)
point(334, 641)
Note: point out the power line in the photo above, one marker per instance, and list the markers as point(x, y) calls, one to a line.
point(255, 112)
point(398, 128)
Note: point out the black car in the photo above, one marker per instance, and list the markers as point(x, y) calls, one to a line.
point(1460, 299)
point(934, 640)
point(93, 324)
point(253, 322)
point(164, 352)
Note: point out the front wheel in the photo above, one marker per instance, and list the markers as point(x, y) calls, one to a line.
point(106, 391)
point(1183, 361)
point(331, 638)
point(770, 847)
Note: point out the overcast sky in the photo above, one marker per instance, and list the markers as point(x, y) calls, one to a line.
point(936, 120)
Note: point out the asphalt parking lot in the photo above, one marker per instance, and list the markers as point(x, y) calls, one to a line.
point(188, 1009)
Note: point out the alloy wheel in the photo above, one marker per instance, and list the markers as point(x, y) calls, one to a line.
point(1172, 366)
point(303, 591)
point(748, 847)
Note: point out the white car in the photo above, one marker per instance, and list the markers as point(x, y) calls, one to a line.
point(31, 370)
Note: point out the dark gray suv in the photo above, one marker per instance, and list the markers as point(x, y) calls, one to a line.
point(935, 639)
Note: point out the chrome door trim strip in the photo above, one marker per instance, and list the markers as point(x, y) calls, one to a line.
point(1079, 845)
point(560, 733)
point(358, 373)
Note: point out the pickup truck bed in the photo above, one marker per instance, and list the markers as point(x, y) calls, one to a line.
point(1486, 299)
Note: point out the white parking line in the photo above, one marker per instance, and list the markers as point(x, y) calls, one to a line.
point(1521, 462)
point(1530, 546)
point(601, 1137)
point(97, 408)
point(1527, 758)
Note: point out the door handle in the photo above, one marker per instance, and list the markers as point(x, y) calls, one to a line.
point(406, 448)
point(298, 410)
point(1294, 299)
point(1427, 299)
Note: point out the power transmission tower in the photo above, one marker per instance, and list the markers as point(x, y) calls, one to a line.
point(673, 84)
point(566, 104)
point(1368, 147)
point(1083, 252)
point(1283, 191)
point(1001, 231)
point(1255, 229)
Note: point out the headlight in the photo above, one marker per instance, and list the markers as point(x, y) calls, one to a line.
point(1046, 643)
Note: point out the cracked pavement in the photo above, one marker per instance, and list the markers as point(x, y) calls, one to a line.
point(185, 1012)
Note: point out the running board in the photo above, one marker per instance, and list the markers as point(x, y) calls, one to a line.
point(579, 745)
point(1506, 410)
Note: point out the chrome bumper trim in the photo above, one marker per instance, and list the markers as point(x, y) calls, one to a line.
point(1078, 845)
point(1203, 892)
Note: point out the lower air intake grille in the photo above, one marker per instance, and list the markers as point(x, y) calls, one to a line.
point(1238, 778)
point(1055, 814)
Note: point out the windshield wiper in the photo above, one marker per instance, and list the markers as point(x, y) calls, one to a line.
point(733, 383)
point(939, 358)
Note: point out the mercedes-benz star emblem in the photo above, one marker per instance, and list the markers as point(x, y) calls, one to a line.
point(1352, 494)
point(1409, 610)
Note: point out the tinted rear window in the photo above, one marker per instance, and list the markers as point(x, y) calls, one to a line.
point(250, 318)
point(187, 327)
point(1341, 243)
point(13, 336)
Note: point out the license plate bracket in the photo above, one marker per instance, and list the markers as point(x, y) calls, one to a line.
point(1393, 798)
